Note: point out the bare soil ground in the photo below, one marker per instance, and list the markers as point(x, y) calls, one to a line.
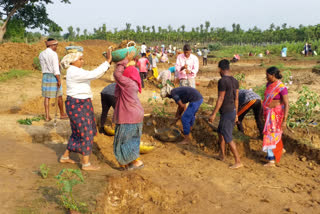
point(176, 179)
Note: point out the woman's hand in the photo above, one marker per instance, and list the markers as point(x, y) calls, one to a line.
point(284, 125)
point(108, 55)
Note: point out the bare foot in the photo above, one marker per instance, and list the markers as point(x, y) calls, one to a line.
point(66, 160)
point(270, 164)
point(184, 142)
point(91, 168)
point(64, 117)
point(138, 164)
point(48, 119)
point(236, 166)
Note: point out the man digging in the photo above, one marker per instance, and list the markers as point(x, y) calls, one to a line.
point(182, 96)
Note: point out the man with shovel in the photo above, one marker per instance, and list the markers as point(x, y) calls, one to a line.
point(51, 81)
point(182, 96)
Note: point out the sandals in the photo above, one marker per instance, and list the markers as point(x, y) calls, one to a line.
point(66, 160)
point(89, 167)
point(134, 167)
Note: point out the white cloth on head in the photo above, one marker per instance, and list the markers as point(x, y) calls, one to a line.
point(49, 62)
point(70, 58)
point(165, 90)
point(78, 80)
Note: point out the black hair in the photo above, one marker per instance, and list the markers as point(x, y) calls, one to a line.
point(148, 51)
point(224, 65)
point(274, 71)
point(50, 39)
point(186, 47)
point(144, 43)
point(144, 54)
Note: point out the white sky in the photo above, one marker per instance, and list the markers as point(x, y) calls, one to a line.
point(91, 14)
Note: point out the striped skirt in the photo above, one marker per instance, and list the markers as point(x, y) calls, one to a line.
point(126, 144)
point(49, 86)
point(83, 126)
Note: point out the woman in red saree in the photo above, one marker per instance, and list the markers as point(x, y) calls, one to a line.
point(275, 111)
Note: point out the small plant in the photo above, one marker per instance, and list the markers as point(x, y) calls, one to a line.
point(44, 170)
point(13, 74)
point(286, 76)
point(301, 113)
point(260, 90)
point(156, 109)
point(240, 77)
point(67, 179)
point(28, 121)
point(206, 107)
point(36, 63)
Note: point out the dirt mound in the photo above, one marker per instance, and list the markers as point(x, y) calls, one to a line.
point(132, 193)
point(21, 55)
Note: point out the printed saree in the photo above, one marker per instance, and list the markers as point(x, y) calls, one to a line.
point(272, 131)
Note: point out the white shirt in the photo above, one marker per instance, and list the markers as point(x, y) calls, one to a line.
point(143, 48)
point(49, 62)
point(78, 80)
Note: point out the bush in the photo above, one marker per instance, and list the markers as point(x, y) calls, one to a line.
point(36, 63)
point(215, 46)
point(13, 74)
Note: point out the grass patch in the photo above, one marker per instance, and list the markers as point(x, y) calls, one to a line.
point(13, 74)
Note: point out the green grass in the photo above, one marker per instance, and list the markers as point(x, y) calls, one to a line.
point(13, 74)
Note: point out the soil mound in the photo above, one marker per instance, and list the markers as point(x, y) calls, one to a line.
point(21, 55)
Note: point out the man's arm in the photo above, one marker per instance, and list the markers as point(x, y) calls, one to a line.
point(218, 105)
point(181, 108)
point(236, 103)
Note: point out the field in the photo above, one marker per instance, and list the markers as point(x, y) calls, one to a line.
point(176, 178)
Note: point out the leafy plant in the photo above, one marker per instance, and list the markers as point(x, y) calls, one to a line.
point(301, 113)
point(286, 76)
point(157, 109)
point(36, 63)
point(260, 90)
point(67, 179)
point(28, 121)
point(206, 107)
point(240, 77)
point(44, 170)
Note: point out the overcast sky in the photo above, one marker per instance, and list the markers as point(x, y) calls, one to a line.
point(89, 14)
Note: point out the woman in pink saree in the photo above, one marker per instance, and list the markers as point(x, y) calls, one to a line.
point(275, 111)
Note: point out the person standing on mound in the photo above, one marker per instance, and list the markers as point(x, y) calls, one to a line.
point(227, 105)
point(51, 81)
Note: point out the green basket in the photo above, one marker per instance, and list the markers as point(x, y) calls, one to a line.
point(120, 54)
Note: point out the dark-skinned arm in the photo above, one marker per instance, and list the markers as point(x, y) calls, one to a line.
point(285, 101)
point(236, 103)
point(218, 105)
point(181, 108)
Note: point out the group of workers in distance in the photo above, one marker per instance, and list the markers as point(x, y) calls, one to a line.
point(232, 104)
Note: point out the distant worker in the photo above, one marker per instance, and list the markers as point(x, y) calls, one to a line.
point(249, 100)
point(188, 66)
point(306, 49)
point(205, 56)
point(51, 81)
point(142, 64)
point(284, 52)
point(143, 48)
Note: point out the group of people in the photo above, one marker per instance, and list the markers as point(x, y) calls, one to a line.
point(122, 95)
point(307, 50)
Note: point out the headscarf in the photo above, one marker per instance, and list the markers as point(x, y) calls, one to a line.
point(166, 90)
point(132, 73)
point(70, 58)
point(52, 42)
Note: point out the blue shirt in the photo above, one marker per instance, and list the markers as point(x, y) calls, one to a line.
point(172, 69)
point(185, 94)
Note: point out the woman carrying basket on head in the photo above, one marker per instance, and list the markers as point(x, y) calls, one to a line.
point(275, 111)
point(79, 106)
